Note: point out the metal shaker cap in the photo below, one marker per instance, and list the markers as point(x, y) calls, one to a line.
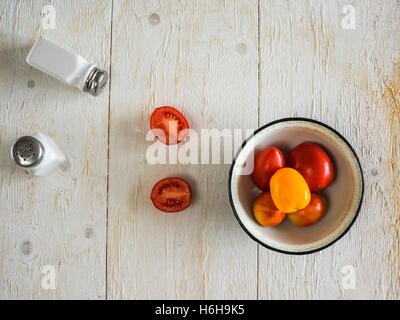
point(96, 81)
point(27, 151)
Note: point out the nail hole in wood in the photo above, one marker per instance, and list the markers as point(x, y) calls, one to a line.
point(241, 48)
point(88, 233)
point(31, 84)
point(154, 19)
point(374, 172)
point(26, 248)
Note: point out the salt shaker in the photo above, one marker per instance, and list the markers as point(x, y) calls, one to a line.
point(67, 66)
point(38, 154)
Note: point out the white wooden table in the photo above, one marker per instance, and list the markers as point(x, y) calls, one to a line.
point(225, 64)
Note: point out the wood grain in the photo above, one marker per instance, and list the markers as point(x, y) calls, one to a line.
point(312, 67)
point(58, 220)
point(224, 64)
point(190, 60)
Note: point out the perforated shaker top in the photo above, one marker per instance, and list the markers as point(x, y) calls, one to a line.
point(27, 151)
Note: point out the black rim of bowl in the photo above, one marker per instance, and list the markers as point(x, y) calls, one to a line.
point(230, 191)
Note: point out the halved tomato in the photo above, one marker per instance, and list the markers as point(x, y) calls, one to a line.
point(168, 124)
point(171, 195)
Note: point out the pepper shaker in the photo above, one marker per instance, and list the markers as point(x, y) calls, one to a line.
point(38, 154)
point(67, 66)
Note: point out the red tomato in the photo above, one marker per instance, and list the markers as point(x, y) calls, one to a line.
point(265, 212)
point(171, 195)
point(310, 214)
point(313, 164)
point(266, 163)
point(167, 124)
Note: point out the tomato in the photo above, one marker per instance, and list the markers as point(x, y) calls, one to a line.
point(171, 195)
point(265, 212)
point(289, 190)
point(167, 124)
point(313, 164)
point(266, 163)
point(310, 214)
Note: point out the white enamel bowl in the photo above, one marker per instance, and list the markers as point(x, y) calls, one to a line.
point(344, 195)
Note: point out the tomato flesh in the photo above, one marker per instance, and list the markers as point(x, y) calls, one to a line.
point(313, 164)
point(266, 163)
point(169, 125)
point(171, 195)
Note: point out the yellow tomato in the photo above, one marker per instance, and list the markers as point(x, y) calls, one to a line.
point(289, 190)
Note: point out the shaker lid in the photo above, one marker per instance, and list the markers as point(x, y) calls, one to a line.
point(27, 151)
point(96, 81)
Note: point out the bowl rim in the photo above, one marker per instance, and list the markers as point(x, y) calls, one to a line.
point(252, 136)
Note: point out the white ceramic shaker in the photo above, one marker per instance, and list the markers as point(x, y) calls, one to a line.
point(67, 66)
point(38, 154)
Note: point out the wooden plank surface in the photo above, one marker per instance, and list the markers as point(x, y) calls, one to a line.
point(348, 78)
point(224, 64)
point(58, 220)
point(202, 58)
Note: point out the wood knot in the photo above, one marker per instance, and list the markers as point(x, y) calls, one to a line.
point(88, 233)
point(65, 167)
point(28, 247)
point(374, 172)
point(31, 84)
point(154, 19)
point(25, 248)
point(241, 48)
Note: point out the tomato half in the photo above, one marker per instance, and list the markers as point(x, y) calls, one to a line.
point(266, 163)
point(310, 214)
point(168, 124)
point(313, 164)
point(265, 212)
point(171, 195)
